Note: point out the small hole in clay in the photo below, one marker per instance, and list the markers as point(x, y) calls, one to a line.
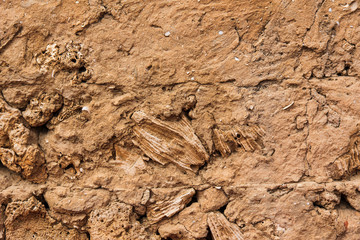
point(222, 209)
point(82, 69)
point(69, 166)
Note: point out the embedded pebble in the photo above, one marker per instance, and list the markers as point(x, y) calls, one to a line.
point(85, 108)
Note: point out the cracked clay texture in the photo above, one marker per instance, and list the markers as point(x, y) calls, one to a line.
point(179, 120)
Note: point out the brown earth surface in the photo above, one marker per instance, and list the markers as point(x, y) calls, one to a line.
point(192, 119)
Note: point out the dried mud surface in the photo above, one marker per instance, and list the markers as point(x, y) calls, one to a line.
point(179, 119)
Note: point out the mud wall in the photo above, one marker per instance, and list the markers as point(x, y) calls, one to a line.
point(179, 119)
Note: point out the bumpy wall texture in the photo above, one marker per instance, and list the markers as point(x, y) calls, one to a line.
point(195, 119)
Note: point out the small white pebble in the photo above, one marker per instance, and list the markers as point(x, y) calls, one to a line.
point(337, 22)
point(187, 73)
point(221, 32)
point(81, 170)
point(85, 108)
point(307, 203)
point(237, 59)
point(218, 187)
point(351, 26)
point(77, 2)
point(330, 10)
point(192, 78)
point(167, 34)
point(47, 141)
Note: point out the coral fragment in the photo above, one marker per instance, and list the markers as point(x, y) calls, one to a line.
point(167, 142)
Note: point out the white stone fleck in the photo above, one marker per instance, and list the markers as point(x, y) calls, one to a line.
point(221, 32)
point(237, 59)
point(85, 108)
point(167, 34)
point(280, 229)
point(330, 10)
